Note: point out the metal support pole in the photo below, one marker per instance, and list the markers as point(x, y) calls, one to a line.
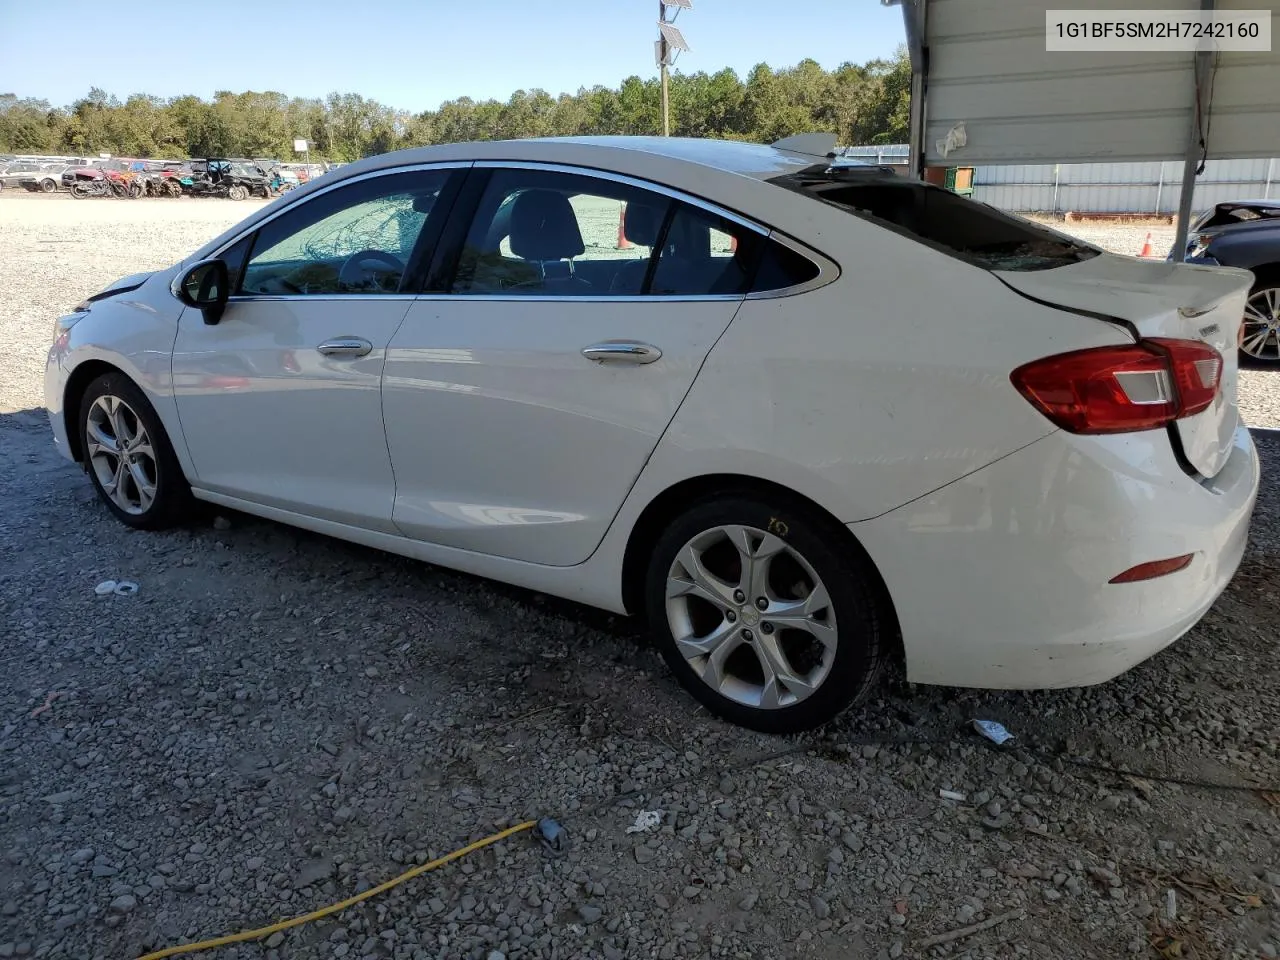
point(1159, 189)
point(666, 95)
point(1200, 96)
point(1057, 170)
point(913, 20)
point(1266, 193)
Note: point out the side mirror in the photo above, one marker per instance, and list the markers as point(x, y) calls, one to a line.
point(205, 286)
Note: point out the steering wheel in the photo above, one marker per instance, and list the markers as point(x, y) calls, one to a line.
point(357, 273)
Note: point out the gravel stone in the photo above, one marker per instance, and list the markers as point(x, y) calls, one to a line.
point(278, 720)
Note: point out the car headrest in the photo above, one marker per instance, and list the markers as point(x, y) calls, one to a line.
point(642, 222)
point(544, 227)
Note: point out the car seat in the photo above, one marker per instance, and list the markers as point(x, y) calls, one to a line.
point(545, 232)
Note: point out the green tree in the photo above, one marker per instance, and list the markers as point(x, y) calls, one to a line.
point(860, 103)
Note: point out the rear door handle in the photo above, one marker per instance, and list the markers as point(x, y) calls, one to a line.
point(622, 351)
point(345, 347)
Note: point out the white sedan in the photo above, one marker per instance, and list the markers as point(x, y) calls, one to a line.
point(808, 419)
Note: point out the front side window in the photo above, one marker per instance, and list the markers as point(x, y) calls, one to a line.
point(358, 239)
point(543, 233)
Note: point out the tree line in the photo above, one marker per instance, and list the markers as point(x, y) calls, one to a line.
point(860, 104)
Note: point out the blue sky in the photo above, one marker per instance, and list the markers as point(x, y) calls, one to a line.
point(426, 52)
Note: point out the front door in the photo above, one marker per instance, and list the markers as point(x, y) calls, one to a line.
point(280, 402)
point(522, 404)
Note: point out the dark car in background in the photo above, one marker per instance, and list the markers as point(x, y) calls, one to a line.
point(1246, 233)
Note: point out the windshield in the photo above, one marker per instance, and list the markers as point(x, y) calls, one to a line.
point(977, 232)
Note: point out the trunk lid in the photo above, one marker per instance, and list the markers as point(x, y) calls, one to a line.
point(1162, 299)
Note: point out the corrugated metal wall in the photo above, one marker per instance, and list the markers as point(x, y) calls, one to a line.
point(1121, 187)
point(1150, 187)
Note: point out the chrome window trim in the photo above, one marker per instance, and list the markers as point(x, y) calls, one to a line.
point(319, 297)
point(594, 298)
point(828, 270)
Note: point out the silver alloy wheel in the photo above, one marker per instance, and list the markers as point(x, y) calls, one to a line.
point(1260, 331)
point(121, 455)
point(751, 617)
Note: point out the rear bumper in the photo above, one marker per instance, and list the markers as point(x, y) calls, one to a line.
point(1000, 580)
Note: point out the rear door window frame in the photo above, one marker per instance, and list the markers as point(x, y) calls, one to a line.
point(448, 251)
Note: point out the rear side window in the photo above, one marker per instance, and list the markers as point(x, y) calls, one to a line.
point(703, 254)
point(781, 267)
point(976, 232)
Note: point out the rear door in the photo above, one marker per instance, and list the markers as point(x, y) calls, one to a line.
point(1163, 299)
point(523, 397)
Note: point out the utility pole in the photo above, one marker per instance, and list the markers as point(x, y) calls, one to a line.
point(669, 39)
point(664, 56)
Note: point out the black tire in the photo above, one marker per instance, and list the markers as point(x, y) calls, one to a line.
point(238, 192)
point(861, 619)
point(79, 191)
point(48, 186)
point(172, 503)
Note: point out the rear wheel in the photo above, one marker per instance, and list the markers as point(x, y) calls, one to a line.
point(79, 191)
point(1260, 330)
point(764, 613)
point(129, 457)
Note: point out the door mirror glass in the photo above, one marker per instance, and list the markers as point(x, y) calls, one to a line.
point(205, 286)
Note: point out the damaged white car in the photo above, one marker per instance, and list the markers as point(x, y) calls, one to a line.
point(807, 419)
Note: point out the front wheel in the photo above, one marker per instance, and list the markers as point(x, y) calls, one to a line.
point(79, 191)
point(129, 457)
point(765, 613)
point(48, 186)
point(238, 192)
point(1260, 329)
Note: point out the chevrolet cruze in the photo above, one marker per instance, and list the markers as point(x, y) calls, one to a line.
point(808, 418)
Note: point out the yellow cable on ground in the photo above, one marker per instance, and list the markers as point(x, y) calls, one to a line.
point(341, 905)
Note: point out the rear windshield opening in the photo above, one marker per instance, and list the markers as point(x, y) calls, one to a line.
point(974, 231)
point(1228, 213)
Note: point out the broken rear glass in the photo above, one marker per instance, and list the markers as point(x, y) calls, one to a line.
point(976, 232)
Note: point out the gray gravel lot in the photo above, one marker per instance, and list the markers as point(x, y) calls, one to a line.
point(277, 720)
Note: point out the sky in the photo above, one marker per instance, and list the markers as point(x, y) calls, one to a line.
point(411, 54)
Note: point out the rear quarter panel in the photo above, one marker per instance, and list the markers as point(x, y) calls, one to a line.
point(875, 389)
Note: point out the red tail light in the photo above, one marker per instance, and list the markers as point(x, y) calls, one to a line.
point(1153, 569)
point(1120, 389)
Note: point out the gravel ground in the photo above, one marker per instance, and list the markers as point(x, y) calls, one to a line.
point(276, 721)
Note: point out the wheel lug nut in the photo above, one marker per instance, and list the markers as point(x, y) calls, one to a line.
point(762, 602)
point(730, 616)
point(766, 628)
point(746, 635)
point(739, 596)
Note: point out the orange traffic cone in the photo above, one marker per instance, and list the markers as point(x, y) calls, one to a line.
point(1146, 247)
point(623, 242)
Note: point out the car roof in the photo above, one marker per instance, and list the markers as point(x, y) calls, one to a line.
point(727, 173)
point(755, 160)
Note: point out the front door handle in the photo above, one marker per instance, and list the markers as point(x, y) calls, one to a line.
point(345, 347)
point(622, 351)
